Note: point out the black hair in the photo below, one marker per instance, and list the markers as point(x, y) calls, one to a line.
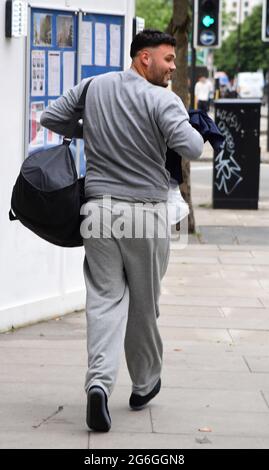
point(150, 38)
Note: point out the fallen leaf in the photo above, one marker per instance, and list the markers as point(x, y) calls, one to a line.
point(205, 429)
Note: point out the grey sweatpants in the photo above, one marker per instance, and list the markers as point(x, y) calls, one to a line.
point(122, 277)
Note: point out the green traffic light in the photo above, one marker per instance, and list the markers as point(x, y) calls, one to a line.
point(208, 21)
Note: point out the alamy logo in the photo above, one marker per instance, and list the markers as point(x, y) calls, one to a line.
point(106, 218)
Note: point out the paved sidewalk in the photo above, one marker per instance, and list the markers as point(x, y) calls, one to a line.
point(215, 327)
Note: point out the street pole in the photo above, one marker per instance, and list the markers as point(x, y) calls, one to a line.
point(193, 60)
point(267, 91)
point(239, 39)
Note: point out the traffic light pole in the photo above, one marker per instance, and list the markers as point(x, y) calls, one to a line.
point(193, 61)
point(238, 66)
point(265, 38)
point(267, 91)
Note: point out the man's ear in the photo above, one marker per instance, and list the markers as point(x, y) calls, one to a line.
point(145, 57)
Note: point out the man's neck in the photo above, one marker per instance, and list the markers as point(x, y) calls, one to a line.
point(138, 70)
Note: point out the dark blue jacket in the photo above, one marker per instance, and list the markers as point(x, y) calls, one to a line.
point(209, 131)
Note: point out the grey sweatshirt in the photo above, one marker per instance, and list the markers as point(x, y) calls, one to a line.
point(127, 125)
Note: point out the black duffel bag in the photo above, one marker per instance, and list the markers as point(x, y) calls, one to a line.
point(48, 194)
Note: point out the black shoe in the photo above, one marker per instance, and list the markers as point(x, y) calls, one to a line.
point(137, 402)
point(98, 418)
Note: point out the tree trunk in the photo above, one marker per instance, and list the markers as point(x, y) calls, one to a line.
point(179, 28)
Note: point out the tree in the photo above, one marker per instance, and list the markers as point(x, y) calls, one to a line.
point(254, 54)
point(173, 16)
point(157, 13)
point(179, 28)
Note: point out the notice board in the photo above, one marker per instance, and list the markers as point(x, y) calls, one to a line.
point(53, 68)
point(64, 48)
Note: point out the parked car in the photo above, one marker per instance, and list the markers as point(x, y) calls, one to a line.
point(250, 85)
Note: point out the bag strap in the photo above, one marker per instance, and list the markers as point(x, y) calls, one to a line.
point(81, 102)
point(12, 216)
point(75, 126)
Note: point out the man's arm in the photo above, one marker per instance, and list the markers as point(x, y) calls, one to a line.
point(173, 121)
point(58, 117)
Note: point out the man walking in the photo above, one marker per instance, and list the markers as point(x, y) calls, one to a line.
point(129, 120)
point(202, 91)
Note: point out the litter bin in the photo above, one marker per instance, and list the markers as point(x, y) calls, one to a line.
point(236, 169)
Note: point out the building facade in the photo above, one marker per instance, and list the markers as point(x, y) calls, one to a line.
point(236, 11)
point(66, 41)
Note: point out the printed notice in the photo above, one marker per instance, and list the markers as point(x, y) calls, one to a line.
point(38, 73)
point(86, 43)
point(68, 70)
point(54, 73)
point(37, 131)
point(115, 41)
point(100, 44)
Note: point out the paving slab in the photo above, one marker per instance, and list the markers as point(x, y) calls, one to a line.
point(221, 380)
point(40, 356)
point(264, 300)
point(212, 301)
point(221, 291)
point(250, 322)
point(213, 401)
point(258, 363)
point(216, 348)
point(143, 440)
point(68, 437)
point(187, 310)
point(48, 373)
point(195, 334)
point(174, 420)
point(155, 440)
point(250, 336)
point(216, 281)
point(181, 361)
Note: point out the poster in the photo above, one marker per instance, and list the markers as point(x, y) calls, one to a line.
point(52, 138)
point(65, 33)
point(68, 70)
point(86, 43)
point(100, 44)
point(38, 73)
point(37, 131)
point(115, 43)
point(54, 73)
point(42, 29)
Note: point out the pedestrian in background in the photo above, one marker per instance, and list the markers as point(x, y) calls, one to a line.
point(202, 92)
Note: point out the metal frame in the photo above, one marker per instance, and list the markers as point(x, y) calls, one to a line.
point(27, 85)
point(78, 146)
point(265, 6)
point(54, 7)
